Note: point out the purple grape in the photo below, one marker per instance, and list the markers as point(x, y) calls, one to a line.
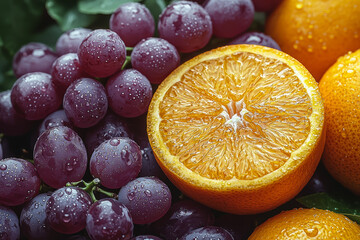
point(60, 156)
point(55, 119)
point(182, 217)
point(11, 123)
point(19, 181)
point(132, 22)
point(65, 70)
point(33, 221)
point(145, 237)
point(265, 5)
point(9, 224)
point(147, 198)
point(230, 17)
point(186, 25)
point(108, 219)
point(155, 58)
point(110, 126)
point(70, 41)
point(116, 162)
point(256, 38)
point(129, 93)
point(102, 53)
point(34, 96)
point(33, 57)
point(1, 151)
point(208, 233)
point(149, 166)
point(66, 209)
point(239, 226)
point(85, 102)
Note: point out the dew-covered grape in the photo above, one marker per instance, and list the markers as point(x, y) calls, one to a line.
point(60, 156)
point(147, 198)
point(186, 25)
point(257, 38)
point(208, 233)
point(19, 181)
point(33, 221)
point(129, 93)
point(33, 57)
point(102, 53)
point(146, 237)
point(85, 102)
point(132, 22)
point(66, 209)
point(155, 58)
point(34, 96)
point(65, 70)
point(55, 119)
point(69, 41)
point(108, 219)
point(116, 162)
point(230, 17)
point(9, 224)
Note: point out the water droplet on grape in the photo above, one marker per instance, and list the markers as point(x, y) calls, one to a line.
point(115, 142)
point(66, 218)
point(3, 167)
point(131, 196)
point(68, 190)
point(148, 193)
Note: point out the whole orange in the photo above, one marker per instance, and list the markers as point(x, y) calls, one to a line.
point(238, 128)
point(316, 32)
point(340, 89)
point(298, 224)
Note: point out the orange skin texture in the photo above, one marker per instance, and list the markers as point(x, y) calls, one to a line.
point(340, 88)
point(316, 32)
point(307, 224)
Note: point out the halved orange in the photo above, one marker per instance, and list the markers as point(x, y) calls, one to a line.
point(238, 128)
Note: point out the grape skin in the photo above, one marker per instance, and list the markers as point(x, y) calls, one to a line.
point(60, 156)
point(69, 41)
point(108, 219)
point(147, 198)
point(66, 209)
point(230, 17)
point(85, 102)
point(102, 53)
point(55, 119)
point(129, 93)
point(130, 16)
point(256, 38)
point(9, 224)
point(186, 25)
point(19, 181)
point(33, 57)
point(34, 96)
point(208, 233)
point(116, 162)
point(155, 58)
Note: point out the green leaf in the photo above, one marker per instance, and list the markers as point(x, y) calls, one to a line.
point(101, 6)
point(67, 15)
point(156, 7)
point(343, 203)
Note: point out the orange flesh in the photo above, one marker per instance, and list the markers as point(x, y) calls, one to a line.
point(231, 117)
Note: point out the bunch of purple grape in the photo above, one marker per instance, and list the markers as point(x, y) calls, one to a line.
point(76, 162)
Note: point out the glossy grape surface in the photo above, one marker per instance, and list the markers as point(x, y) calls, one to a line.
point(156, 58)
point(257, 38)
point(65, 70)
point(66, 209)
point(146, 237)
point(60, 156)
point(132, 22)
point(230, 17)
point(33, 57)
point(69, 41)
point(186, 25)
point(208, 233)
point(147, 198)
point(85, 102)
point(102, 53)
point(129, 93)
point(108, 219)
point(9, 224)
point(116, 162)
point(19, 181)
point(55, 119)
point(34, 96)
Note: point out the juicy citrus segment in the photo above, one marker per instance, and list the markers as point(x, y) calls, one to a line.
point(234, 119)
point(249, 118)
